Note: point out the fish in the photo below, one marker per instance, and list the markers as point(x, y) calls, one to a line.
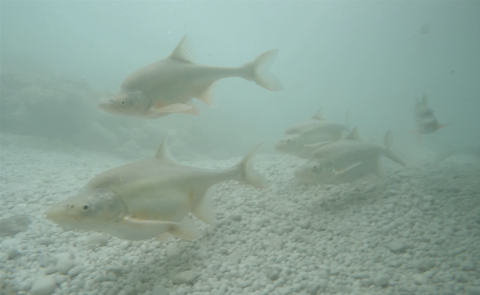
point(425, 118)
point(312, 121)
point(169, 85)
point(301, 140)
point(450, 151)
point(150, 198)
point(347, 161)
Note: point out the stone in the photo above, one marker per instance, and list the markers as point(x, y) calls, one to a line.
point(124, 245)
point(159, 290)
point(420, 279)
point(273, 274)
point(172, 250)
point(468, 266)
point(473, 290)
point(186, 277)
point(312, 288)
point(381, 281)
point(397, 247)
point(74, 271)
point(13, 225)
point(96, 240)
point(43, 286)
point(64, 265)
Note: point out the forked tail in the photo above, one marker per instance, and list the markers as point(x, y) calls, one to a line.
point(258, 71)
point(246, 172)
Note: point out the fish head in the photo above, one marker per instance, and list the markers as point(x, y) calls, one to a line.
point(90, 210)
point(316, 171)
point(128, 103)
point(289, 143)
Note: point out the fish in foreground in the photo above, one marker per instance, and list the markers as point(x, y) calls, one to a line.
point(168, 86)
point(425, 118)
point(300, 140)
point(347, 161)
point(150, 198)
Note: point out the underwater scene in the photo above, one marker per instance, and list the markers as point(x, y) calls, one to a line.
point(240, 147)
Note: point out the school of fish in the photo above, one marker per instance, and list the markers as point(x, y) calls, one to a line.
point(153, 198)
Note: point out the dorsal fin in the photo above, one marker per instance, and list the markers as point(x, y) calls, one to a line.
point(163, 153)
point(183, 51)
point(425, 99)
point(354, 135)
point(388, 139)
point(318, 115)
point(347, 119)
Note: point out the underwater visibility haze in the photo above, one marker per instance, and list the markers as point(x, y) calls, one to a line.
point(239, 147)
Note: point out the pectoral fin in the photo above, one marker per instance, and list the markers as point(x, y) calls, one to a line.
point(172, 108)
point(317, 145)
point(345, 170)
point(145, 223)
point(186, 230)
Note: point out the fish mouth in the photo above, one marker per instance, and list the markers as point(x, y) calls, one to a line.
point(54, 213)
point(107, 105)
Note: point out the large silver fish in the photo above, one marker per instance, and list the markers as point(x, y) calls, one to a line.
point(301, 140)
point(346, 161)
point(168, 86)
point(150, 198)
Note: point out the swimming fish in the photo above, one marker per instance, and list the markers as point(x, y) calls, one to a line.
point(450, 151)
point(168, 86)
point(150, 198)
point(300, 140)
point(346, 161)
point(315, 119)
point(425, 118)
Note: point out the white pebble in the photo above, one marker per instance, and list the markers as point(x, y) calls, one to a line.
point(186, 277)
point(397, 247)
point(172, 250)
point(43, 286)
point(64, 265)
point(74, 271)
point(420, 279)
point(124, 245)
point(381, 280)
point(96, 239)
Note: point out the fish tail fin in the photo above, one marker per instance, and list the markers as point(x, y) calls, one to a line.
point(258, 71)
point(247, 173)
point(441, 126)
point(388, 142)
point(392, 156)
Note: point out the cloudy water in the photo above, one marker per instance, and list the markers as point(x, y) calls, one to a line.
point(239, 147)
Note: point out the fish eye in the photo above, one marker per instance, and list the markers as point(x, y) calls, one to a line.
point(123, 102)
point(85, 208)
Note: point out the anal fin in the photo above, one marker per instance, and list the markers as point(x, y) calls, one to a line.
point(346, 169)
point(205, 209)
point(206, 95)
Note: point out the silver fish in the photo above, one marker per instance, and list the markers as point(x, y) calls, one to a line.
point(301, 140)
point(150, 198)
point(346, 161)
point(169, 85)
point(425, 118)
